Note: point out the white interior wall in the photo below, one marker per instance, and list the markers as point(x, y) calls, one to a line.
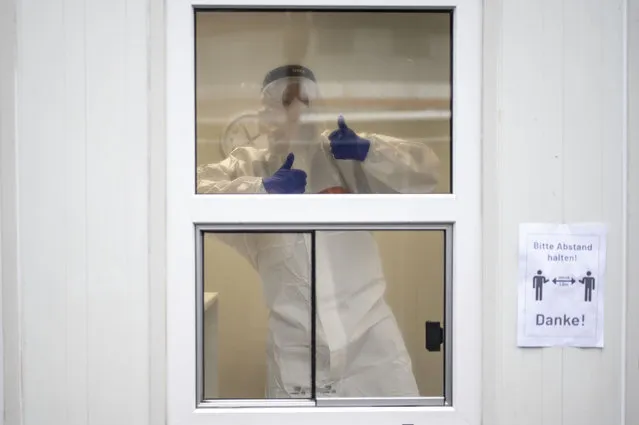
point(87, 312)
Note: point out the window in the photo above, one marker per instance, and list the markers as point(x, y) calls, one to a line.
point(379, 73)
point(396, 307)
point(323, 212)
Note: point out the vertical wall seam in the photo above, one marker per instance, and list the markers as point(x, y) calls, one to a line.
point(86, 213)
point(16, 176)
point(563, 175)
point(624, 196)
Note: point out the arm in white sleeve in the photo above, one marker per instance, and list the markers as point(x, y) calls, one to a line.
point(396, 166)
point(235, 174)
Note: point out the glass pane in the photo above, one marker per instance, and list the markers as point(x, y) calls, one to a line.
point(372, 294)
point(375, 292)
point(274, 83)
point(257, 316)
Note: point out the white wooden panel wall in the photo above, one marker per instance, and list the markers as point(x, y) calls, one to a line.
point(157, 215)
point(82, 226)
point(632, 296)
point(553, 152)
point(9, 391)
point(82, 240)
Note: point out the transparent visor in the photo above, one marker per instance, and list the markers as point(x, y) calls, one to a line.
point(290, 99)
point(283, 92)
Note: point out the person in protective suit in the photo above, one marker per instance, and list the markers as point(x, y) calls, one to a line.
point(360, 351)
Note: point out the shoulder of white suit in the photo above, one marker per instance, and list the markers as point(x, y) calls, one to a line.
point(248, 153)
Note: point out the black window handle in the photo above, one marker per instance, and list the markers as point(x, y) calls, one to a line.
point(434, 336)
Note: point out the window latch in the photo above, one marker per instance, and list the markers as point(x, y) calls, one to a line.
point(434, 336)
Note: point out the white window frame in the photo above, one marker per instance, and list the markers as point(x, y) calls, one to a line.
point(461, 209)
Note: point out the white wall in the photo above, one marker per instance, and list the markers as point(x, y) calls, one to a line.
point(82, 238)
point(632, 272)
point(11, 388)
point(553, 152)
point(76, 256)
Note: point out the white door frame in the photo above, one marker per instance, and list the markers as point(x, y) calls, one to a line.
point(461, 209)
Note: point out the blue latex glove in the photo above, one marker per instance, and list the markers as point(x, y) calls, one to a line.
point(346, 144)
point(286, 179)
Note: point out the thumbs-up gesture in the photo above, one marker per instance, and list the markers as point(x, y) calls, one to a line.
point(286, 179)
point(346, 144)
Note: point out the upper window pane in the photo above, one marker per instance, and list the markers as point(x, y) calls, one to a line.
point(271, 87)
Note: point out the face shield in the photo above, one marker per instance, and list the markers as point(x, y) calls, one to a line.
point(288, 104)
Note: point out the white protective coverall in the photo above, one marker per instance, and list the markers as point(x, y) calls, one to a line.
point(360, 350)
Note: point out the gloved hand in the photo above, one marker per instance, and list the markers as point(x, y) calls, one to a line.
point(346, 144)
point(286, 179)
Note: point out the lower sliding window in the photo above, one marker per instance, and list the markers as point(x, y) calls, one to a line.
point(337, 316)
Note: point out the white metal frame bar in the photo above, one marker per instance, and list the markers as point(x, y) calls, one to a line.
point(185, 210)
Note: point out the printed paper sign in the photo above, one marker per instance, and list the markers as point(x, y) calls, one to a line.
point(561, 285)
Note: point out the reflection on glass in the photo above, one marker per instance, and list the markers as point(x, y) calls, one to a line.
point(257, 331)
point(374, 291)
point(360, 99)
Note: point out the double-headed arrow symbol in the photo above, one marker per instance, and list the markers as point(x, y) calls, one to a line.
point(563, 280)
